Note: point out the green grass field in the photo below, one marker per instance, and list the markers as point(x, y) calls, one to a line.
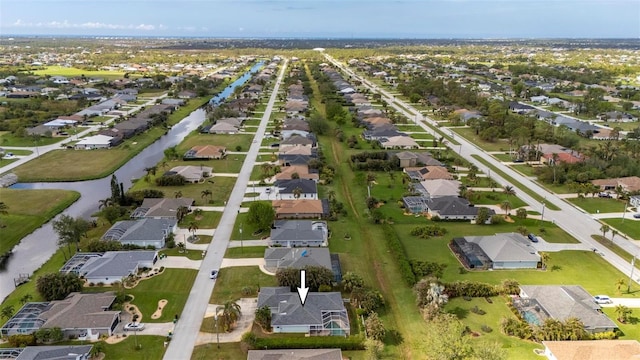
point(220, 187)
point(231, 281)
point(630, 226)
point(245, 252)
point(73, 72)
point(207, 220)
point(496, 198)
point(8, 139)
point(173, 285)
point(226, 351)
point(150, 348)
point(470, 134)
point(595, 205)
point(28, 210)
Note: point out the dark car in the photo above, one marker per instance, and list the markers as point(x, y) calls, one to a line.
point(637, 216)
point(532, 237)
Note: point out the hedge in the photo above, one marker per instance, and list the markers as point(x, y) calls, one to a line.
point(395, 247)
point(312, 342)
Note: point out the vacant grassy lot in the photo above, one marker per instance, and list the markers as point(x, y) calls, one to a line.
point(245, 252)
point(495, 312)
point(28, 210)
point(496, 198)
point(630, 226)
point(227, 351)
point(595, 205)
point(8, 139)
point(230, 141)
point(75, 165)
point(207, 220)
point(151, 348)
point(470, 134)
point(231, 281)
point(220, 187)
point(73, 72)
point(173, 285)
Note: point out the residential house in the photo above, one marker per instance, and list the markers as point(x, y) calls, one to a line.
point(499, 251)
point(60, 352)
point(520, 108)
point(323, 313)
point(297, 233)
point(294, 159)
point(301, 209)
point(192, 174)
point(561, 158)
point(94, 142)
point(296, 354)
point(199, 152)
point(296, 258)
point(173, 102)
point(427, 173)
point(302, 172)
point(296, 189)
point(111, 266)
point(592, 350)
point(296, 150)
point(79, 315)
point(143, 232)
point(223, 128)
point(297, 140)
point(294, 107)
point(381, 133)
point(453, 208)
point(398, 142)
point(187, 94)
point(438, 188)
point(161, 208)
point(628, 184)
point(413, 159)
point(539, 99)
point(562, 302)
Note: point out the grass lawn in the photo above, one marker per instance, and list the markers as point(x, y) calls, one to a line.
point(19, 152)
point(248, 230)
point(75, 165)
point(495, 312)
point(230, 141)
point(630, 227)
point(207, 220)
point(245, 252)
point(595, 205)
point(631, 330)
point(503, 157)
point(8, 139)
point(470, 134)
point(190, 254)
point(151, 348)
point(613, 247)
point(231, 281)
point(221, 188)
point(227, 351)
point(173, 285)
point(73, 72)
point(525, 169)
point(496, 198)
point(28, 210)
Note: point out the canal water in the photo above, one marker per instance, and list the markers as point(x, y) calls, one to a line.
point(36, 248)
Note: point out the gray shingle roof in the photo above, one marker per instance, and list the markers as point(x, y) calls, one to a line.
point(288, 186)
point(116, 263)
point(63, 352)
point(506, 247)
point(81, 311)
point(295, 230)
point(139, 230)
point(298, 258)
point(160, 207)
point(453, 205)
point(295, 354)
point(287, 310)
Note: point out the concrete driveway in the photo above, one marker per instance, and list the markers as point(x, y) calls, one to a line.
point(545, 246)
point(247, 315)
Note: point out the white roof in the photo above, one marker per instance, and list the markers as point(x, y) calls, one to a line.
point(60, 122)
point(95, 140)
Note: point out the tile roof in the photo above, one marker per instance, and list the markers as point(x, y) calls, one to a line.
point(594, 349)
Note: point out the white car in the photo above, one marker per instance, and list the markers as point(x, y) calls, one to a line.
point(134, 326)
point(602, 299)
point(214, 274)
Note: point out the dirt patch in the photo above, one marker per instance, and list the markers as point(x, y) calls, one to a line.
point(158, 312)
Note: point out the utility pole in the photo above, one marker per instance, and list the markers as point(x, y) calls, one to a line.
point(633, 267)
point(625, 210)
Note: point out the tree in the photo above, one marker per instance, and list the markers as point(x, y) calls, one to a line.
point(373, 349)
point(4, 209)
point(620, 283)
point(521, 213)
point(26, 298)
point(261, 214)
point(544, 259)
point(605, 229)
point(483, 216)
point(506, 206)
point(316, 276)
point(207, 194)
point(614, 232)
point(297, 192)
point(486, 350)
point(446, 338)
point(56, 286)
point(374, 326)
point(70, 230)
point(105, 203)
point(351, 281)
point(116, 193)
point(622, 313)
point(263, 318)
point(193, 227)
point(177, 194)
point(7, 312)
point(181, 212)
point(230, 315)
point(508, 190)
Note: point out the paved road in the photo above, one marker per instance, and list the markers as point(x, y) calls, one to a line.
point(574, 221)
point(38, 151)
point(188, 327)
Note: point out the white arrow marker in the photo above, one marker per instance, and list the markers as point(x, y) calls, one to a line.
point(303, 290)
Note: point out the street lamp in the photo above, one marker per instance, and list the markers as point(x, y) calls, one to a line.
point(217, 333)
point(633, 266)
point(241, 244)
point(625, 209)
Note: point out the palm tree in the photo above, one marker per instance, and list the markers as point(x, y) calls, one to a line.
point(181, 212)
point(614, 232)
point(619, 285)
point(506, 206)
point(605, 229)
point(193, 227)
point(230, 314)
point(619, 191)
point(105, 203)
point(177, 194)
point(4, 209)
point(164, 164)
point(544, 259)
point(508, 190)
point(297, 192)
point(622, 313)
point(206, 194)
point(331, 195)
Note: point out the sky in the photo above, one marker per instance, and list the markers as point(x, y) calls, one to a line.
point(324, 18)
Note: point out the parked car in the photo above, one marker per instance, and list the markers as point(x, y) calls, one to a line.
point(637, 216)
point(532, 237)
point(134, 326)
point(602, 299)
point(214, 274)
point(605, 195)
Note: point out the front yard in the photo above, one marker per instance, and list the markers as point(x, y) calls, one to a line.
point(232, 280)
point(596, 205)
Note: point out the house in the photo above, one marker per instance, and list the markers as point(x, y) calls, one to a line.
point(94, 142)
point(297, 140)
point(427, 173)
point(592, 350)
point(296, 258)
point(413, 159)
point(323, 313)
point(192, 174)
point(78, 314)
point(296, 354)
point(161, 208)
point(296, 189)
point(434, 188)
point(205, 152)
point(627, 184)
point(398, 142)
point(453, 208)
point(380, 133)
point(299, 171)
point(499, 251)
point(561, 158)
point(173, 102)
point(301, 209)
point(520, 108)
point(294, 107)
point(561, 302)
point(539, 99)
point(223, 128)
point(415, 204)
point(294, 159)
point(297, 149)
point(143, 232)
point(296, 233)
point(187, 94)
point(111, 266)
point(61, 352)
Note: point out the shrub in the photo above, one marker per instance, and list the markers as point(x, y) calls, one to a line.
point(396, 249)
point(470, 288)
point(428, 231)
point(477, 310)
point(486, 328)
point(606, 335)
point(313, 342)
point(21, 340)
point(426, 268)
point(246, 291)
point(171, 180)
point(497, 219)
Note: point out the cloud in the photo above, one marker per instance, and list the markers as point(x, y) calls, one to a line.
point(86, 25)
